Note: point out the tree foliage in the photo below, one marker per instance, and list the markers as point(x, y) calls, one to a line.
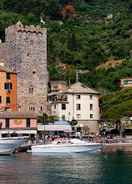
point(117, 105)
point(81, 34)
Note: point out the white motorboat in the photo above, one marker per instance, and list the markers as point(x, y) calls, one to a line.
point(9, 144)
point(71, 146)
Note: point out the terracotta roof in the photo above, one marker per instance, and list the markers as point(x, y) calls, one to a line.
point(7, 114)
point(80, 88)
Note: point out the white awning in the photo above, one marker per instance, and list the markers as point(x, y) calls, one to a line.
point(18, 131)
point(64, 128)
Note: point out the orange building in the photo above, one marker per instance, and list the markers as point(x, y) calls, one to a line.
point(8, 89)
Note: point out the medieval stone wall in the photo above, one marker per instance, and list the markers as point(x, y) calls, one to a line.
point(26, 53)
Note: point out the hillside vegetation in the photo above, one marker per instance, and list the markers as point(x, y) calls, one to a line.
point(82, 34)
point(117, 105)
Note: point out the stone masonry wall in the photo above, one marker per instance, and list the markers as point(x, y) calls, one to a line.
point(27, 54)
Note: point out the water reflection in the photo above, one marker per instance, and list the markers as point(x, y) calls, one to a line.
point(25, 168)
point(71, 169)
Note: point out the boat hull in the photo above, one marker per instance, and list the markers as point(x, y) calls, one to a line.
point(9, 145)
point(66, 148)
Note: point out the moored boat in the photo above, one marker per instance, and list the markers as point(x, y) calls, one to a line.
point(71, 146)
point(8, 145)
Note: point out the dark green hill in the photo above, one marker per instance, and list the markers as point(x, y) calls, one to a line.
point(81, 33)
point(117, 105)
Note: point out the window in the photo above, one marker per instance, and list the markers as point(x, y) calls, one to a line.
point(91, 115)
point(8, 76)
point(28, 122)
point(91, 96)
point(78, 97)
point(31, 90)
point(41, 108)
point(34, 72)
point(78, 106)
point(0, 99)
point(31, 108)
point(63, 106)
point(8, 100)
point(7, 124)
point(8, 86)
point(28, 54)
point(91, 106)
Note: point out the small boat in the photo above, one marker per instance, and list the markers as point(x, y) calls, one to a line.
point(71, 146)
point(8, 145)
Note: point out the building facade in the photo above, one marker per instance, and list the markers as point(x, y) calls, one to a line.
point(79, 103)
point(8, 89)
point(25, 50)
point(20, 124)
point(125, 83)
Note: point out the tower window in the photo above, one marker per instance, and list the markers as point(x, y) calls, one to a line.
point(28, 54)
point(41, 108)
point(31, 90)
point(31, 108)
point(34, 72)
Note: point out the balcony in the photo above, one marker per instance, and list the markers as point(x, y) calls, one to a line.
point(58, 98)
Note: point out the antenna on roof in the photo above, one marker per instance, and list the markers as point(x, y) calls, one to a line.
point(80, 72)
point(42, 21)
point(77, 75)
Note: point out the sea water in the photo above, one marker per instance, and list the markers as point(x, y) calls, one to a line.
point(24, 168)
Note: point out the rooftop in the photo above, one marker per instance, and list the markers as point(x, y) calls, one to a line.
point(80, 88)
point(77, 88)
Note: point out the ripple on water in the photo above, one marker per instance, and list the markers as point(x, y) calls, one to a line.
point(66, 169)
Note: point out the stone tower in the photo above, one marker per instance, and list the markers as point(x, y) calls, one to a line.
point(27, 55)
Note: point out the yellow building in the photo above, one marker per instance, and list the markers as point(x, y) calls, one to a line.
point(8, 89)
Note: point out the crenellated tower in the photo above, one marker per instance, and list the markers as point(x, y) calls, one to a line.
point(27, 55)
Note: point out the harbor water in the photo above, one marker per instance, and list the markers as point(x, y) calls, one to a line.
point(24, 168)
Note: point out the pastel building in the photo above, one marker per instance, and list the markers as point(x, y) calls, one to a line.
point(77, 102)
point(126, 82)
point(18, 123)
point(8, 89)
